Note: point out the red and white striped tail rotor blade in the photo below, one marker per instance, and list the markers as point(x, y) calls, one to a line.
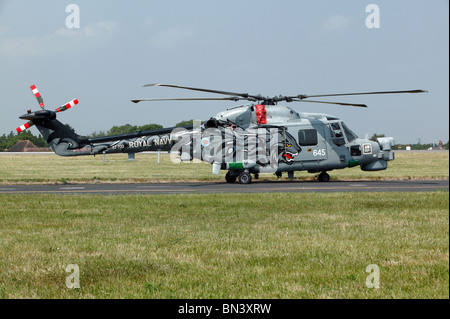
point(24, 127)
point(37, 95)
point(67, 106)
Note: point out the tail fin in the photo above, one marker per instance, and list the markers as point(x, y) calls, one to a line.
point(62, 140)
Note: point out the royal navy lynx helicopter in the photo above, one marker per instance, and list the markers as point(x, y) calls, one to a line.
point(260, 136)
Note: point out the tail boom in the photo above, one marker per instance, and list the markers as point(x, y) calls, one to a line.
point(65, 142)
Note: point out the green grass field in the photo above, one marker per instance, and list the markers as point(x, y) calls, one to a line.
point(220, 245)
point(52, 168)
point(225, 245)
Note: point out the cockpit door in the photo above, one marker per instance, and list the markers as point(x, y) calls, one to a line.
point(311, 140)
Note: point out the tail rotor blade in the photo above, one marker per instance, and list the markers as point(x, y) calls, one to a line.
point(37, 95)
point(67, 106)
point(24, 127)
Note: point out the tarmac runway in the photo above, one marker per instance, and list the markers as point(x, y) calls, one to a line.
point(219, 187)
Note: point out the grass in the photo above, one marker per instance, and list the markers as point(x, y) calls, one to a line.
point(220, 245)
point(55, 169)
point(225, 245)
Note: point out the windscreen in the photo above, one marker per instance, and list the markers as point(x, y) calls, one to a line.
point(348, 132)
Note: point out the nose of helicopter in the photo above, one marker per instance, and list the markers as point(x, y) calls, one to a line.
point(386, 144)
point(377, 154)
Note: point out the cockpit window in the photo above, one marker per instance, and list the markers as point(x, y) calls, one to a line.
point(336, 134)
point(350, 135)
point(336, 130)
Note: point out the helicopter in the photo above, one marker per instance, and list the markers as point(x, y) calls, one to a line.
point(260, 136)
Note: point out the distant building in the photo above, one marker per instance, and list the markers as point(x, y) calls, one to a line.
point(27, 146)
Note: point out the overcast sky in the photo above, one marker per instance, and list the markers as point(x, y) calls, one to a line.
point(261, 47)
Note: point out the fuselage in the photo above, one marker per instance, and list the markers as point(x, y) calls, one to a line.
point(323, 141)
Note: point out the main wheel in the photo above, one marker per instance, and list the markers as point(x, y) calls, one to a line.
point(245, 178)
point(229, 178)
point(324, 177)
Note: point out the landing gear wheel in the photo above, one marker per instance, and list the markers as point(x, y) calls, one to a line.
point(256, 176)
point(279, 174)
point(324, 177)
point(245, 178)
point(229, 178)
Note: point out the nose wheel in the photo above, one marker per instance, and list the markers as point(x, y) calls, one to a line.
point(323, 177)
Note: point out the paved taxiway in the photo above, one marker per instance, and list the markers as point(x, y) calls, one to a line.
point(256, 187)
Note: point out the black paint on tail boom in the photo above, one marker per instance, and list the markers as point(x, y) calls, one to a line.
point(64, 142)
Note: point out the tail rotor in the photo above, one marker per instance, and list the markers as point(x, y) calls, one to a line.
point(42, 114)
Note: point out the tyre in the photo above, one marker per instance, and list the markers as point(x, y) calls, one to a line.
point(229, 178)
point(245, 178)
point(324, 177)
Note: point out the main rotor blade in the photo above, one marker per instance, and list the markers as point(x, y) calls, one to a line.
point(361, 93)
point(244, 95)
point(338, 103)
point(231, 98)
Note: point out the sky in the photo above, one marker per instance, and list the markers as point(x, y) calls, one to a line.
point(286, 47)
